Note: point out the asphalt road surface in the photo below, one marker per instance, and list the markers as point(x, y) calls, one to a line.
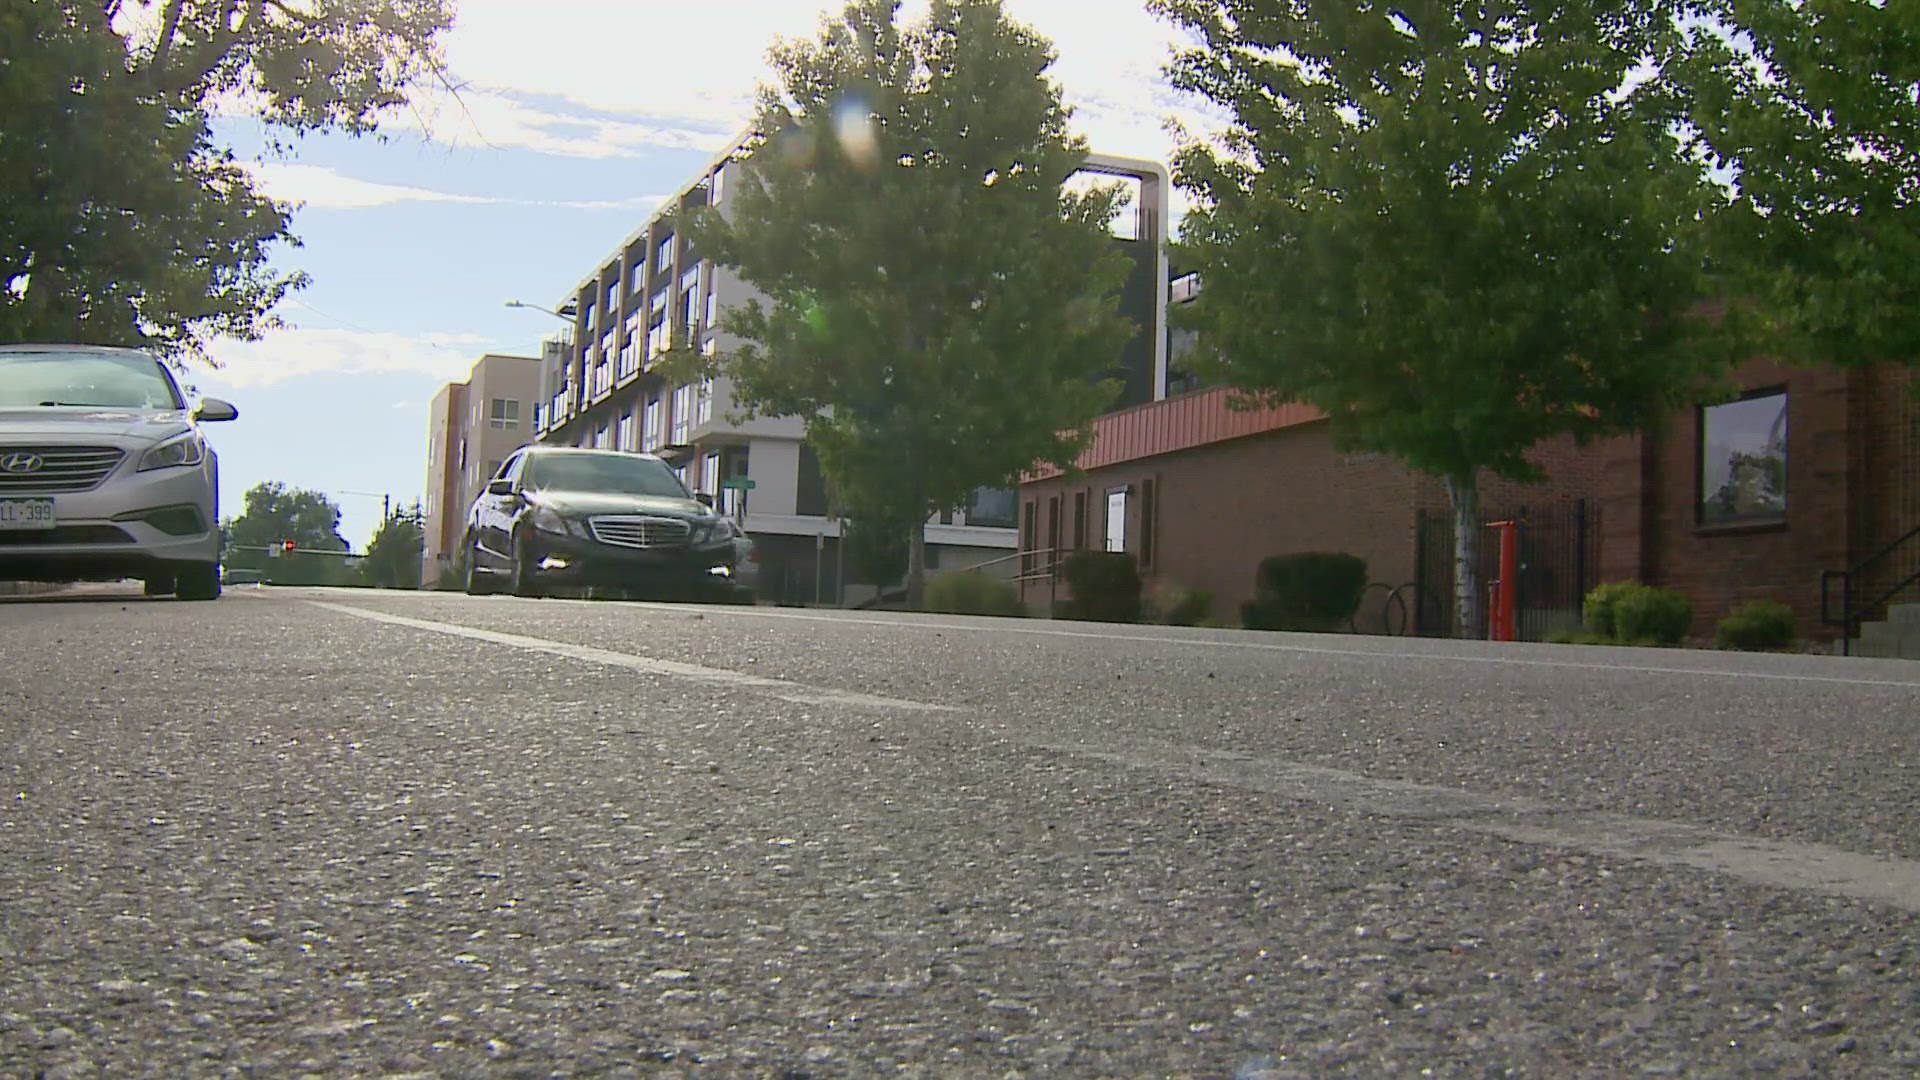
point(302, 832)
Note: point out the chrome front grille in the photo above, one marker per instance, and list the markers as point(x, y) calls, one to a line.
point(640, 532)
point(62, 468)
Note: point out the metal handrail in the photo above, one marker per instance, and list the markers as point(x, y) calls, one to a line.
point(1850, 614)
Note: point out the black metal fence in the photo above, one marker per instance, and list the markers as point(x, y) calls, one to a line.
point(1559, 564)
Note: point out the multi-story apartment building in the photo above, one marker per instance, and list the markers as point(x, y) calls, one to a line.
point(472, 428)
point(657, 291)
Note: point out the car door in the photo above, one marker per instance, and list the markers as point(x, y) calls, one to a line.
point(493, 516)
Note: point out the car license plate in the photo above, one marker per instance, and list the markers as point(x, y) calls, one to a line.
point(24, 514)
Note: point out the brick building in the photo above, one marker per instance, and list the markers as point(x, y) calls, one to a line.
point(1807, 471)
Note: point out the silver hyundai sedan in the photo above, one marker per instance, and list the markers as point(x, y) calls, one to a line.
point(103, 472)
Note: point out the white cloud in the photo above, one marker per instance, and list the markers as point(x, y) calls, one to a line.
point(321, 188)
point(317, 187)
point(612, 78)
point(300, 351)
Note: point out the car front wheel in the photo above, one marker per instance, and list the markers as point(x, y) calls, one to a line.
point(197, 581)
point(476, 582)
point(524, 582)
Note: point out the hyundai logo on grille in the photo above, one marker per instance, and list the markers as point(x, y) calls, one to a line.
point(21, 462)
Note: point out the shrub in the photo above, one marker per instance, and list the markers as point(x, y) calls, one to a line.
point(1658, 616)
point(1309, 590)
point(1175, 605)
point(1104, 586)
point(1629, 613)
point(1191, 609)
point(1597, 610)
point(1758, 624)
point(966, 593)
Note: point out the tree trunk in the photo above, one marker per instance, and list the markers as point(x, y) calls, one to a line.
point(1464, 493)
point(917, 565)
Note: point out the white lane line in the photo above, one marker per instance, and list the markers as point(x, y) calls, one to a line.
point(1012, 626)
point(778, 688)
point(1816, 868)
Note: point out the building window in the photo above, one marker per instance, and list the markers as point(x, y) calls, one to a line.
point(1079, 521)
point(682, 414)
point(650, 430)
point(690, 298)
point(665, 258)
point(703, 402)
point(613, 294)
point(1743, 460)
point(993, 508)
point(713, 305)
point(1117, 519)
point(719, 187)
point(710, 474)
point(504, 413)
point(626, 439)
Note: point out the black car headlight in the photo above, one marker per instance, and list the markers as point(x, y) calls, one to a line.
point(548, 520)
point(715, 531)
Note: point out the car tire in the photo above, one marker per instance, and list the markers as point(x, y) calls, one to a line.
point(524, 582)
point(158, 583)
point(476, 582)
point(197, 581)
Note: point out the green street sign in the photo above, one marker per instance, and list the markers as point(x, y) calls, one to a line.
point(737, 483)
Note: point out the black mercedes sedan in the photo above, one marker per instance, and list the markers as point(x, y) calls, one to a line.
point(560, 518)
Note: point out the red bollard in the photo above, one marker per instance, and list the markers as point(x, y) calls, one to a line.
point(1501, 623)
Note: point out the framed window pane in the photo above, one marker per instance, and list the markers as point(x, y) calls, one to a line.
point(1117, 520)
point(1743, 460)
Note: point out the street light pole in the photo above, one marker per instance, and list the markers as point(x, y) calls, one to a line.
point(565, 314)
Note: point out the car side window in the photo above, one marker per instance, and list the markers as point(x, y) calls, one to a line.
point(510, 468)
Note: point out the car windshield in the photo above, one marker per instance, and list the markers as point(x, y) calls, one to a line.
point(616, 474)
point(92, 379)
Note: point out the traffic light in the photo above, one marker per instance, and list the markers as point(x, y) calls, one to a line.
point(286, 546)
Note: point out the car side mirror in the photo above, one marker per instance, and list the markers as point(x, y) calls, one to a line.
point(500, 487)
point(704, 499)
point(213, 409)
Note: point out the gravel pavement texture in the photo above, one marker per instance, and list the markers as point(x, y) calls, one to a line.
point(286, 835)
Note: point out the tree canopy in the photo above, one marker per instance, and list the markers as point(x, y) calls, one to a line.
point(393, 559)
point(1457, 230)
point(275, 513)
point(1810, 109)
point(123, 219)
point(935, 305)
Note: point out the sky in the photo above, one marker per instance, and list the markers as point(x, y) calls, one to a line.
point(574, 118)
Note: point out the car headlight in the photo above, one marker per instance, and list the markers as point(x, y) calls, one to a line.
point(183, 449)
point(715, 531)
point(547, 519)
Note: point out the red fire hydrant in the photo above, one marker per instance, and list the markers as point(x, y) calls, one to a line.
point(1502, 594)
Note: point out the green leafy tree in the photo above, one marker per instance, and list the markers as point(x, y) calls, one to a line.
point(275, 513)
point(394, 554)
point(1809, 107)
point(122, 219)
point(1446, 226)
point(935, 306)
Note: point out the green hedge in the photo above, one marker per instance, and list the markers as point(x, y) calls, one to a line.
point(967, 593)
point(1308, 590)
point(1629, 613)
point(1102, 586)
point(1757, 625)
